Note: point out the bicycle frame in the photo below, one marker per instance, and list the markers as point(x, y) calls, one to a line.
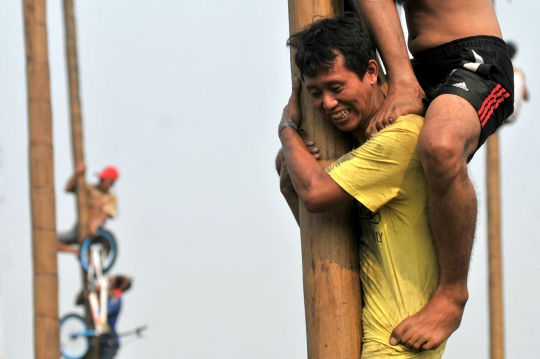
point(97, 278)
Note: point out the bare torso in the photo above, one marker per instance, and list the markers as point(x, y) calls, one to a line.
point(435, 22)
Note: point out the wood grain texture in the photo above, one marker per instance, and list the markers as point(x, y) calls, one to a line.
point(332, 293)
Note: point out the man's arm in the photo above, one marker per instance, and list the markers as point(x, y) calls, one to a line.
point(72, 183)
point(286, 187)
point(285, 183)
point(404, 92)
point(96, 222)
point(314, 187)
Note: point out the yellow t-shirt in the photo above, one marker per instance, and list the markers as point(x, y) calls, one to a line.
point(399, 267)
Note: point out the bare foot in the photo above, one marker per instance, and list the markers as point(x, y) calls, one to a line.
point(432, 325)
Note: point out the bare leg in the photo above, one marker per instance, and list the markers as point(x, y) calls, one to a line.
point(449, 136)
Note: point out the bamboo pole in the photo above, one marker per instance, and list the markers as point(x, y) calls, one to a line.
point(494, 249)
point(77, 146)
point(46, 325)
point(332, 293)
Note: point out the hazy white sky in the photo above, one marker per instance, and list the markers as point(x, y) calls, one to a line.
point(185, 97)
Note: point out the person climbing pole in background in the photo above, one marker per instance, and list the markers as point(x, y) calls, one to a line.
point(101, 205)
point(110, 342)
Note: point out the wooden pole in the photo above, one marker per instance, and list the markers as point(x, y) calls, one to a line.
point(330, 256)
point(494, 249)
point(46, 325)
point(77, 145)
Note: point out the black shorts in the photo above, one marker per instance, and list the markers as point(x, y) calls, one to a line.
point(477, 69)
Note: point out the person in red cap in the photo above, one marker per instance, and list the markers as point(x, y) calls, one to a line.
point(101, 205)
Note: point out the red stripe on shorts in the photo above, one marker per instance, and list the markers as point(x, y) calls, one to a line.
point(490, 104)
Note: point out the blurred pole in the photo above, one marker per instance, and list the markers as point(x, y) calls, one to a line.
point(78, 146)
point(332, 294)
point(494, 247)
point(44, 247)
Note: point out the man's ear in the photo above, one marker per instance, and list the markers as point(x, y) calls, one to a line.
point(372, 72)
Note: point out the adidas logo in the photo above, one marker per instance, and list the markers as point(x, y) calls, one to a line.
point(461, 85)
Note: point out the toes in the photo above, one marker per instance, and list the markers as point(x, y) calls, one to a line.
point(432, 344)
point(397, 335)
point(419, 345)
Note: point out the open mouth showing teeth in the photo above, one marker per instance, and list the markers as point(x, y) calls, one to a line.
point(341, 114)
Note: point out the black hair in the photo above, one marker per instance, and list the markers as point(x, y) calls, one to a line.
point(319, 43)
point(512, 49)
point(121, 282)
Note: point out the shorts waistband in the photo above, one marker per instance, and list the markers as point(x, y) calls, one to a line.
point(452, 47)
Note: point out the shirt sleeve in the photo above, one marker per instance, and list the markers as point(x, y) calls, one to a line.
point(373, 172)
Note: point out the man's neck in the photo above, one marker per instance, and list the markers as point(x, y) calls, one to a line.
point(360, 132)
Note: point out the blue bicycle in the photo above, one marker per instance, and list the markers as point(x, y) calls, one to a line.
point(98, 254)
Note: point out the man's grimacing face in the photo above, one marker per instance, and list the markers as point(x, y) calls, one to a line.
point(342, 97)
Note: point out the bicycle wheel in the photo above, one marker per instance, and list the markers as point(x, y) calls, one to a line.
point(74, 342)
point(110, 249)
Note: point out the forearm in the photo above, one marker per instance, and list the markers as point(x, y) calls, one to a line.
point(313, 186)
point(382, 21)
point(292, 200)
point(300, 165)
point(286, 187)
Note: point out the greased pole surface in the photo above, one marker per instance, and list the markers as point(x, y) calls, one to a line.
point(330, 261)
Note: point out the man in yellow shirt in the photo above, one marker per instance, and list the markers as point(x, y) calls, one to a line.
point(399, 267)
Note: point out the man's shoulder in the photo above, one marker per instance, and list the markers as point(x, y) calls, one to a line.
point(412, 123)
point(402, 133)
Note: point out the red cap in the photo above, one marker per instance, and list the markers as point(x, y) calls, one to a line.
point(109, 172)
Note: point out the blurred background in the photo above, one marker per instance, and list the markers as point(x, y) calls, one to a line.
point(185, 98)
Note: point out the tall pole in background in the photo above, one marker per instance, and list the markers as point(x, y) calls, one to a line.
point(494, 247)
point(44, 247)
point(77, 144)
point(330, 261)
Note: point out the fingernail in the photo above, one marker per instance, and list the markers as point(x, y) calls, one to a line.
point(310, 143)
point(393, 341)
point(295, 80)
